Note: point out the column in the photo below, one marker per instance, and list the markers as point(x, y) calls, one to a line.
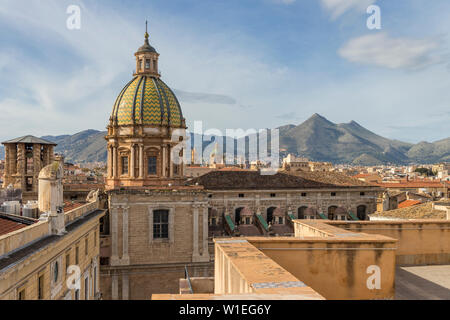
point(13, 159)
point(164, 161)
point(132, 161)
point(205, 253)
point(125, 257)
point(51, 154)
point(7, 160)
point(170, 161)
point(125, 287)
point(141, 161)
point(114, 227)
point(115, 287)
point(195, 253)
point(114, 166)
point(108, 163)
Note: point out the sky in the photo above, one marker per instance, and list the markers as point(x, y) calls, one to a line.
point(232, 63)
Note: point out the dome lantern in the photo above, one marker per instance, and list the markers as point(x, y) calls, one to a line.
point(147, 58)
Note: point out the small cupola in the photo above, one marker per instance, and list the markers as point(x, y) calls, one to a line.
point(147, 58)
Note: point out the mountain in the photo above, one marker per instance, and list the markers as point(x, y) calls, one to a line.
point(85, 146)
point(317, 139)
point(322, 140)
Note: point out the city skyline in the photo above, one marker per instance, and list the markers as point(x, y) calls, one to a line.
point(275, 62)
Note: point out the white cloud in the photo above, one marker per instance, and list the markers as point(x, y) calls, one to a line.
point(339, 7)
point(394, 53)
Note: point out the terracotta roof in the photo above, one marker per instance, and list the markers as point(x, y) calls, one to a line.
point(420, 211)
point(334, 178)
point(413, 184)
point(68, 206)
point(408, 203)
point(254, 180)
point(9, 224)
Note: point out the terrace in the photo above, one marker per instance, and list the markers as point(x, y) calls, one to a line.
point(332, 260)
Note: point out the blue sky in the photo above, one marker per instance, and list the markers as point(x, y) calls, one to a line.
point(233, 63)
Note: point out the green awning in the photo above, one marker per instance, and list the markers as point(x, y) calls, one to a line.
point(263, 222)
point(230, 222)
point(352, 216)
point(323, 216)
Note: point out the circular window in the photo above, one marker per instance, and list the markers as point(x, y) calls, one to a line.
point(55, 272)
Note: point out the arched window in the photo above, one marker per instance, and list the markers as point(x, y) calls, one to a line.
point(301, 212)
point(361, 212)
point(237, 216)
point(331, 212)
point(270, 214)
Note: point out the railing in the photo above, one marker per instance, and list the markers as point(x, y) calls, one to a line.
point(78, 212)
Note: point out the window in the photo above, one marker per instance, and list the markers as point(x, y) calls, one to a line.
point(273, 195)
point(303, 194)
point(147, 64)
point(21, 295)
point(86, 246)
point(280, 220)
point(160, 224)
point(55, 272)
point(213, 221)
point(151, 165)
point(41, 287)
point(77, 253)
point(362, 193)
point(210, 195)
point(67, 261)
point(95, 239)
point(124, 165)
point(241, 195)
point(333, 194)
point(77, 294)
point(247, 220)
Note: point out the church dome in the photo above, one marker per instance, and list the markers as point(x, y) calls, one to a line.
point(147, 100)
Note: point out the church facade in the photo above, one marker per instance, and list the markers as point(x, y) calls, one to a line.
point(157, 224)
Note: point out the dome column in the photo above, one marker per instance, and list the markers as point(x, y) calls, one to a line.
point(170, 162)
point(109, 165)
point(114, 166)
point(141, 161)
point(132, 164)
point(164, 160)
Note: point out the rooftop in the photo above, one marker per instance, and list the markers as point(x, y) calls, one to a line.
point(246, 179)
point(29, 139)
point(10, 223)
point(419, 211)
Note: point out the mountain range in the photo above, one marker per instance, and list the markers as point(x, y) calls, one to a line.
point(317, 139)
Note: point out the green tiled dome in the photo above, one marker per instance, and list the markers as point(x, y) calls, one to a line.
point(149, 101)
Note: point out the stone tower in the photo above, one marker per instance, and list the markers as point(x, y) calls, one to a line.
point(24, 159)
